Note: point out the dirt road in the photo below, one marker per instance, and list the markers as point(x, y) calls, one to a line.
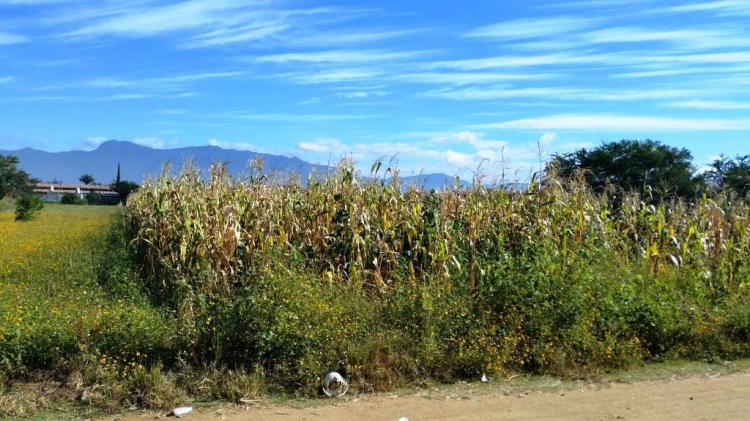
point(708, 397)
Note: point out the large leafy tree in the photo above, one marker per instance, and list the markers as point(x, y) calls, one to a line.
point(731, 174)
point(12, 180)
point(86, 179)
point(633, 165)
point(123, 187)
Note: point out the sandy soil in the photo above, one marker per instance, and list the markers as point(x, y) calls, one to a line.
point(725, 397)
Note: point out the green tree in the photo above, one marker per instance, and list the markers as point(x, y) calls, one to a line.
point(633, 165)
point(730, 174)
point(71, 199)
point(12, 180)
point(86, 179)
point(124, 189)
point(93, 198)
point(28, 206)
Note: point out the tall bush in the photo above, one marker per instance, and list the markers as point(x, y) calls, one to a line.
point(27, 207)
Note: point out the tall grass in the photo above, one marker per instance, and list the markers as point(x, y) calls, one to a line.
point(390, 284)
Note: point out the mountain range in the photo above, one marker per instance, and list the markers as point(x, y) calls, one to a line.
point(138, 162)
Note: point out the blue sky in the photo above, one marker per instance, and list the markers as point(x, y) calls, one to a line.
point(443, 85)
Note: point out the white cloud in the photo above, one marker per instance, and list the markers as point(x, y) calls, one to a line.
point(467, 78)
point(93, 142)
point(291, 118)
point(338, 38)
point(322, 145)
point(609, 122)
point(459, 159)
point(6, 79)
point(559, 93)
point(452, 153)
point(151, 142)
point(332, 76)
point(149, 21)
point(239, 146)
point(547, 138)
point(534, 28)
point(360, 94)
point(720, 7)
point(711, 105)
point(501, 62)
point(255, 31)
point(124, 97)
point(173, 111)
point(173, 82)
point(339, 56)
point(9, 38)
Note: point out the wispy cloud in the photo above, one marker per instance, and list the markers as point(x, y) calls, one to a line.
point(149, 20)
point(452, 78)
point(720, 7)
point(255, 31)
point(711, 105)
point(173, 111)
point(502, 62)
point(558, 93)
point(341, 75)
point(534, 28)
point(339, 56)
point(360, 94)
point(318, 38)
point(453, 153)
point(8, 38)
point(151, 142)
point(611, 122)
point(6, 79)
point(120, 96)
point(162, 83)
point(291, 118)
point(198, 23)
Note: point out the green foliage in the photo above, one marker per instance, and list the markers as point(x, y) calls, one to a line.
point(124, 189)
point(731, 174)
point(227, 289)
point(71, 199)
point(27, 207)
point(57, 303)
point(633, 165)
point(389, 286)
point(86, 179)
point(12, 180)
point(93, 198)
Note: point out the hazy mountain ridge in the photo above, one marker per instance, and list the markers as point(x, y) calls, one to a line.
point(138, 162)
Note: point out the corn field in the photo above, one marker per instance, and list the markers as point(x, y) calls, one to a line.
point(360, 232)
point(398, 283)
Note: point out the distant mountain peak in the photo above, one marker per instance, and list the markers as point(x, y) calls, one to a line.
point(137, 162)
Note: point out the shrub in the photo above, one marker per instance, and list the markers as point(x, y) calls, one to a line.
point(27, 207)
point(93, 198)
point(71, 199)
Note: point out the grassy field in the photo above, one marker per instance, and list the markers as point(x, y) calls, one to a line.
point(223, 290)
point(6, 204)
point(56, 314)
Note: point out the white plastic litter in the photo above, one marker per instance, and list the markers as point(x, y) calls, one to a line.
point(484, 378)
point(334, 384)
point(182, 410)
point(403, 419)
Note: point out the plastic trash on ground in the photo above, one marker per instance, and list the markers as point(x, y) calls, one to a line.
point(334, 384)
point(484, 378)
point(182, 410)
